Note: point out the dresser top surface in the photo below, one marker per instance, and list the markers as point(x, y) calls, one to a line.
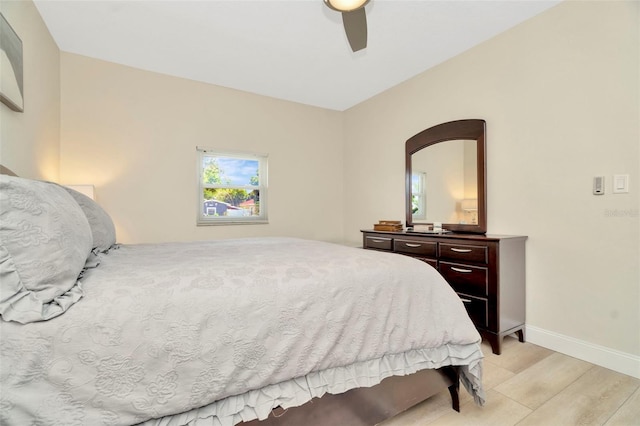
point(446, 235)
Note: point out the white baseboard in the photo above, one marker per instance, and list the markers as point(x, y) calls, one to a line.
point(600, 355)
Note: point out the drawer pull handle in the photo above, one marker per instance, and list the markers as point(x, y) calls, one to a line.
point(464, 271)
point(378, 241)
point(457, 250)
point(465, 300)
point(412, 245)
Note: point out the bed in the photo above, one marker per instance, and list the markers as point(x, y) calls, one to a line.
point(242, 331)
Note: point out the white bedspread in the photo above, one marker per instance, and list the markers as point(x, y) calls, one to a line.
point(219, 331)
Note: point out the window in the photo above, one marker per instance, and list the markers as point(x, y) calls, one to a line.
point(232, 188)
point(418, 195)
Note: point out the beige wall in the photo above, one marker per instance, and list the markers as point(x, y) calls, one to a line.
point(560, 94)
point(29, 141)
point(133, 134)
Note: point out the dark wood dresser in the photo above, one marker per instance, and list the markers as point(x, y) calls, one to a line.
point(487, 272)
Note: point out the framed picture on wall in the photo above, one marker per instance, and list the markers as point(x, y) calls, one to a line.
point(11, 84)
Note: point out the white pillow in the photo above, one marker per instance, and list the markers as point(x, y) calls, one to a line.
point(45, 241)
point(102, 228)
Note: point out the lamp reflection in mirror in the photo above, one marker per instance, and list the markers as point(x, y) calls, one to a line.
point(87, 190)
point(469, 206)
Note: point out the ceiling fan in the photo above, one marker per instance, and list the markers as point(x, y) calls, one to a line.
point(354, 19)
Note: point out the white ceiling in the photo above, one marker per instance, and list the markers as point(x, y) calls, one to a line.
point(294, 49)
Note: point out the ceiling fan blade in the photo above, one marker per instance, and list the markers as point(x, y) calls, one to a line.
point(355, 25)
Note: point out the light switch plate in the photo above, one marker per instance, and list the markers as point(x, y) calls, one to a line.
point(620, 184)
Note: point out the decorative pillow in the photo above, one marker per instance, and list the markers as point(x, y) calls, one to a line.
point(102, 229)
point(45, 241)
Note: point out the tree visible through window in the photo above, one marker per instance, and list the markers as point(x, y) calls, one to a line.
point(232, 187)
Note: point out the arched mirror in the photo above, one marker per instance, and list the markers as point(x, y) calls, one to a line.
point(445, 177)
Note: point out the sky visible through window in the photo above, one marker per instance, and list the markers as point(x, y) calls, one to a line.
point(237, 171)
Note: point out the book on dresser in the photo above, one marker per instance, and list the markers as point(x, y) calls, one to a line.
point(388, 225)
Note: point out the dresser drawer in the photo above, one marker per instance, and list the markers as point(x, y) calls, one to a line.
point(422, 248)
point(464, 252)
point(379, 243)
point(466, 278)
point(477, 309)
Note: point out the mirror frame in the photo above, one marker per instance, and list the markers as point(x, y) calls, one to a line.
point(473, 129)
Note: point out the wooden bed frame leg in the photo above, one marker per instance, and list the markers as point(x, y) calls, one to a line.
point(455, 398)
point(454, 375)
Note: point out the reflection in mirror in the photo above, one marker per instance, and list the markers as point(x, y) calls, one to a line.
point(447, 172)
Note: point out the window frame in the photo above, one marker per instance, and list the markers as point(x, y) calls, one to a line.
point(420, 194)
point(262, 187)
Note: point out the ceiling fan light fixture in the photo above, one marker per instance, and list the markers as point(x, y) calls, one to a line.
point(346, 5)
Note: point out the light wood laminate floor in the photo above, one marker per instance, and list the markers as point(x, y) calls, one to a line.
point(529, 385)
